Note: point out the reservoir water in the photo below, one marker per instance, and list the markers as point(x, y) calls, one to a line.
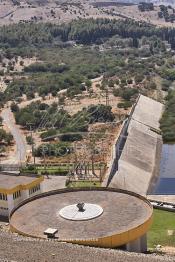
point(166, 182)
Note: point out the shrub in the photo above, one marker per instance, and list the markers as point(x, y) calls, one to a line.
point(71, 137)
point(14, 107)
point(49, 133)
point(56, 150)
point(125, 105)
point(111, 83)
point(29, 140)
point(165, 84)
point(139, 78)
point(128, 93)
point(129, 81)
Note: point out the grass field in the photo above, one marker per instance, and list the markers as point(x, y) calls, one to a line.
point(84, 184)
point(62, 169)
point(53, 170)
point(163, 225)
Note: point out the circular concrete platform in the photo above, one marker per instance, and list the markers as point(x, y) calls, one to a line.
point(126, 216)
point(90, 211)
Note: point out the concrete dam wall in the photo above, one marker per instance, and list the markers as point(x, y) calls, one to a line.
point(138, 165)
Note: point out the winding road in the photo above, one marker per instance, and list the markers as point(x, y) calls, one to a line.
point(21, 147)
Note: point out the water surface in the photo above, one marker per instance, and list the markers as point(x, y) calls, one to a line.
point(166, 182)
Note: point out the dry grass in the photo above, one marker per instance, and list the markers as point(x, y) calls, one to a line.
point(55, 12)
point(52, 12)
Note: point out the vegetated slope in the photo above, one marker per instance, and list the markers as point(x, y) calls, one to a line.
point(148, 1)
point(45, 2)
point(131, 55)
point(54, 76)
point(167, 122)
point(86, 31)
point(60, 72)
point(58, 11)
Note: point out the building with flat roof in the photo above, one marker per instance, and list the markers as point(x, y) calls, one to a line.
point(15, 188)
point(99, 217)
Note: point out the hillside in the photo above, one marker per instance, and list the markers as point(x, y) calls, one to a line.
point(157, 2)
point(59, 11)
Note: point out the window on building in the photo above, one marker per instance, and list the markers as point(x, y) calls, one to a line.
point(3, 197)
point(4, 208)
point(17, 194)
point(34, 189)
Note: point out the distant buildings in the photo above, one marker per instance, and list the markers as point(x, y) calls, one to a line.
point(16, 188)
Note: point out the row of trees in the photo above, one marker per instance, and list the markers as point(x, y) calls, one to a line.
point(46, 67)
point(83, 31)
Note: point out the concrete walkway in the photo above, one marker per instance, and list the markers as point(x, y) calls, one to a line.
point(53, 183)
point(162, 198)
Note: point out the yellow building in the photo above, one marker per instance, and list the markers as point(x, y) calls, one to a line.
point(16, 188)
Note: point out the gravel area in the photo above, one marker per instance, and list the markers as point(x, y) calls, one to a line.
point(16, 248)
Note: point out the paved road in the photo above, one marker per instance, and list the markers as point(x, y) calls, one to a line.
point(20, 154)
